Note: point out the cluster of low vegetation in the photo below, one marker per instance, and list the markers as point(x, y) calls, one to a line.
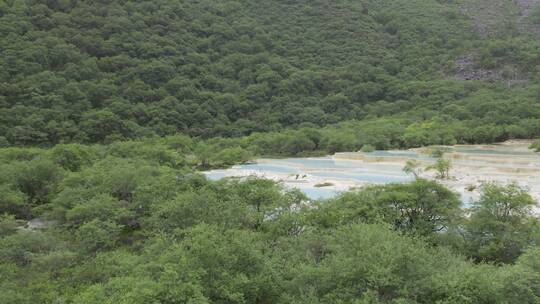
point(134, 222)
point(324, 184)
point(536, 146)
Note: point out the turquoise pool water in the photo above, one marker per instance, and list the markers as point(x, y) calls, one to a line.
point(275, 168)
point(501, 151)
point(319, 193)
point(320, 168)
point(364, 177)
point(343, 173)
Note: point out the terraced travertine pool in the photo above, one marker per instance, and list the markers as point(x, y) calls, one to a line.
point(472, 166)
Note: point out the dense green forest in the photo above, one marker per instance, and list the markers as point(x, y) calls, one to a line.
point(132, 222)
point(109, 109)
point(101, 71)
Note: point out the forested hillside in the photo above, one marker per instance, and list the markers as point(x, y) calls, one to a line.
point(109, 110)
point(132, 222)
point(100, 71)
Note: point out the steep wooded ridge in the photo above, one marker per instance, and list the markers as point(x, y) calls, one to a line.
point(110, 109)
point(100, 71)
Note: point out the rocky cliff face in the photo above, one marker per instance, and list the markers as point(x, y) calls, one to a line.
point(493, 18)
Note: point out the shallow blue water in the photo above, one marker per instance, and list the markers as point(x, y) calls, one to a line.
point(310, 162)
point(493, 152)
point(363, 177)
point(215, 175)
point(393, 153)
point(276, 168)
point(319, 193)
point(324, 167)
point(350, 170)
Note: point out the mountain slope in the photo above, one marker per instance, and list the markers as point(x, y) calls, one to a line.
point(99, 71)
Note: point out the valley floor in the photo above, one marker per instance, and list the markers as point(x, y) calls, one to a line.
point(472, 165)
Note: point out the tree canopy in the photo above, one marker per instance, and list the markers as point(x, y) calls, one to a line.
point(102, 71)
point(134, 222)
point(109, 110)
